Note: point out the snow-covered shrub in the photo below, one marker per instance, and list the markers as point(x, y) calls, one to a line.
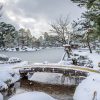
point(14, 60)
point(3, 86)
point(88, 89)
point(8, 77)
point(3, 57)
point(8, 82)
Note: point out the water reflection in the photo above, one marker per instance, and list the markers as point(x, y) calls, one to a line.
point(60, 92)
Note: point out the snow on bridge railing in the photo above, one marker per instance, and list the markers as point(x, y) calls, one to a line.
point(64, 67)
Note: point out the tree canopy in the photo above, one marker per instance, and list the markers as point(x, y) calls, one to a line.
point(6, 30)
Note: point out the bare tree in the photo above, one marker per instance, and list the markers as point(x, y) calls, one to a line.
point(60, 27)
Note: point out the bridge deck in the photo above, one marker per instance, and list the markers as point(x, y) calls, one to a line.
point(63, 67)
point(72, 72)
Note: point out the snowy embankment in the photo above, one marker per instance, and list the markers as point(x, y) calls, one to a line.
point(82, 58)
point(8, 73)
point(89, 89)
point(7, 78)
point(32, 96)
point(94, 57)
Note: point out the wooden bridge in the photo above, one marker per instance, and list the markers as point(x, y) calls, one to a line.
point(65, 70)
point(73, 72)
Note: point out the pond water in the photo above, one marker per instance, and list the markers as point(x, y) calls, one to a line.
point(51, 55)
point(59, 92)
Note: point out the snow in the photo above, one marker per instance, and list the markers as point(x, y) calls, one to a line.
point(1, 96)
point(3, 85)
point(63, 62)
point(49, 78)
point(89, 88)
point(4, 76)
point(14, 60)
point(8, 72)
point(66, 45)
point(32, 96)
point(85, 90)
point(8, 77)
point(4, 59)
point(25, 48)
point(12, 66)
point(95, 57)
point(3, 56)
point(81, 52)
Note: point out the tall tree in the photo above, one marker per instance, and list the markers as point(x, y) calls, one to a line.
point(93, 11)
point(24, 37)
point(90, 22)
point(6, 30)
point(21, 37)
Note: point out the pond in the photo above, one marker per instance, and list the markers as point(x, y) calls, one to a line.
point(51, 55)
point(59, 92)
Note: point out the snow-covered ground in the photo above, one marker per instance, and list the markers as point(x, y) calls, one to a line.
point(32, 96)
point(95, 57)
point(90, 59)
point(89, 89)
point(1, 96)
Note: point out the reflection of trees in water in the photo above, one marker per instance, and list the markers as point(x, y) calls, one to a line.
point(48, 88)
point(57, 89)
point(66, 90)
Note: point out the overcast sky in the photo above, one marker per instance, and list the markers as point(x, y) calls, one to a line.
point(36, 14)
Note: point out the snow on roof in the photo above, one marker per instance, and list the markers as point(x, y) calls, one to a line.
point(32, 96)
point(89, 88)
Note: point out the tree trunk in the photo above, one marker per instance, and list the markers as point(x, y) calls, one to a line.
point(88, 43)
point(68, 53)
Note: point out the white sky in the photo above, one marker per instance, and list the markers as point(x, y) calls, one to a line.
point(37, 14)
